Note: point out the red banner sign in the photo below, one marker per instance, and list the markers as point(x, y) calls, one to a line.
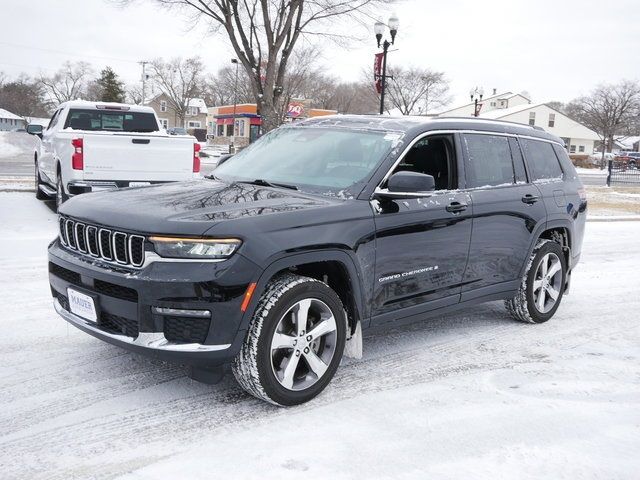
point(377, 71)
point(295, 110)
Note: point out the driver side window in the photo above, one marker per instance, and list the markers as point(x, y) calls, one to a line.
point(433, 155)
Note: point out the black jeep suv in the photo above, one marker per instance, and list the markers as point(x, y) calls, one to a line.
point(273, 266)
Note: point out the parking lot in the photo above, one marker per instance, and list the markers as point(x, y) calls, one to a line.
point(469, 395)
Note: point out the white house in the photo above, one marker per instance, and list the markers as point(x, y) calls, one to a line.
point(492, 102)
point(10, 121)
point(577, 138)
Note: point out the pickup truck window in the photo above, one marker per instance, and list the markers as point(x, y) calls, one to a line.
point(111, 121)
point(313, 158)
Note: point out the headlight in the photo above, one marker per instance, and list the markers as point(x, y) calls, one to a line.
point(203, 248)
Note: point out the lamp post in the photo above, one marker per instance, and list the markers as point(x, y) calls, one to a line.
point(232, 146)
point(378, 28)
point(476, 96)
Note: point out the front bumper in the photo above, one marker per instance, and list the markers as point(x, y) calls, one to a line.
point(128, 302)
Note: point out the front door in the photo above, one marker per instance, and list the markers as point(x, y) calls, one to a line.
point(422, 243)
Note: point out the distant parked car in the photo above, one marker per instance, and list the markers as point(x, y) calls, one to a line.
point(630, 158)
point(177, 131)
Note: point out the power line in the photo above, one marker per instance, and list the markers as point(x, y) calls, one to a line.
point(29, 47)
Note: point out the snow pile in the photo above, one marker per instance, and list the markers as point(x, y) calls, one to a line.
point(7, 149)
point(16, 144)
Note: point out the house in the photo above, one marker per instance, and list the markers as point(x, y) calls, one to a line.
point(578, 139)
point(492, 102)
point(220, 121)
point(195, 118)
point(10, 121)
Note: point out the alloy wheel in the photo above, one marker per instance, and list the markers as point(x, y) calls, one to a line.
point(303, 344)
point(547, 283)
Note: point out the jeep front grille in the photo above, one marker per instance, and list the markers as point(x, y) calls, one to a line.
point(110, 245)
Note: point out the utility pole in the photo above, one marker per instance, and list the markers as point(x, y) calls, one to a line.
point(144, 78)
point(232, 148)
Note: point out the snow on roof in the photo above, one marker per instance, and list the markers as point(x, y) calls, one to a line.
point(7, 114)
point(504, 95)
point(503, 112)
point(627, 142)
point(199, 103)
point(38, 121)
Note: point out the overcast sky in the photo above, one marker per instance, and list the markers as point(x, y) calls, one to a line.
point(555, 50)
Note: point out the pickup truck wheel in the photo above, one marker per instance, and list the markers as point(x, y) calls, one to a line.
point(61, 197)
point(40, 195)
point(294, 343)
point(542, 286)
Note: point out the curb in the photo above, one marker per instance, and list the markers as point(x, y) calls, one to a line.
point(630, 218)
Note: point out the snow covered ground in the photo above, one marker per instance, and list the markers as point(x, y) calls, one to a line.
point(469, 395)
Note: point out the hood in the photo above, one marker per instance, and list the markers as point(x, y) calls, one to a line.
point(187, 208)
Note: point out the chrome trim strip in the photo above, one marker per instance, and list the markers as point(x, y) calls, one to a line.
point(181, 312)
point(62, 230)
point(102, 254)
point(75, 233)
point(151, 340)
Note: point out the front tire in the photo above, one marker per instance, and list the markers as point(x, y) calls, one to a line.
point(294, 343)
point(542, 286)
point(40, 195)
point(61, 197)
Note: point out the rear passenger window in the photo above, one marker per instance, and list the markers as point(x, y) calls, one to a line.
point(488, 160)
point(542, 160)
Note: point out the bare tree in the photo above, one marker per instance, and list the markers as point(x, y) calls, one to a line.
point(264, 35)
point(23, 96)
point(417, 91)
point(134, 93)
point(180, 79)
point(609, 110)
point(220, 89)
point(68, 83)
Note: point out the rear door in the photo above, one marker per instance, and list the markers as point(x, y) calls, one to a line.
point(506, 210)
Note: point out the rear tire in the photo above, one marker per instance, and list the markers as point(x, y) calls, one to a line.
point(294, 343)
point(40, 195)
point(542, 286)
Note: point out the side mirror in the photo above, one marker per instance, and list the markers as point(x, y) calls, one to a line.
point(410, 182)
point(34, 129)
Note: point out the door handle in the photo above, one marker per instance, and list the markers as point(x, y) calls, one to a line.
point(456, 207)
point(530, 199)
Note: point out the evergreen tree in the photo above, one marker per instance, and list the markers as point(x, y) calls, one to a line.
point(112, 89)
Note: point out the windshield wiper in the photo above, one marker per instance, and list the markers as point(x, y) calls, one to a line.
point(265, 183)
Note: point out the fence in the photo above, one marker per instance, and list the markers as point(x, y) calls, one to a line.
point(623, 173)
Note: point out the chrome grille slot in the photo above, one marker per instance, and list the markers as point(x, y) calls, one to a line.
point(70, 234)
point(109, 245)
point(81, 241)
point(119, 240)
point(105, 244)
point(92, 241)
point(63, 231)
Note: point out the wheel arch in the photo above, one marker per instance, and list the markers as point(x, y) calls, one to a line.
point(334, 267)
point(557, 231)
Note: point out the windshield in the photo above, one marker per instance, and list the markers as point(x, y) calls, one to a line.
point(111, 121)
point(311, 158)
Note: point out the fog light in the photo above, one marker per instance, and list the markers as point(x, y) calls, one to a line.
point(181, 312)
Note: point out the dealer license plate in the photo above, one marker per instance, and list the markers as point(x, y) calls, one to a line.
point(82, 305)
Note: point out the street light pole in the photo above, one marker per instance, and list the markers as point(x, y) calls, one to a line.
point(235, 104)
point(476, 96)
point(378, 28)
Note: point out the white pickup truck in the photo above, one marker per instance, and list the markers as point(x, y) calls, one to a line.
point(90, 146)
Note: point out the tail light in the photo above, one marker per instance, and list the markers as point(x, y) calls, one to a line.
point(77, 159)
point(196, 158)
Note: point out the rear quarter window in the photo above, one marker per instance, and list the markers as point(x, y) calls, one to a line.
point(569, 170)
point(541, 159)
